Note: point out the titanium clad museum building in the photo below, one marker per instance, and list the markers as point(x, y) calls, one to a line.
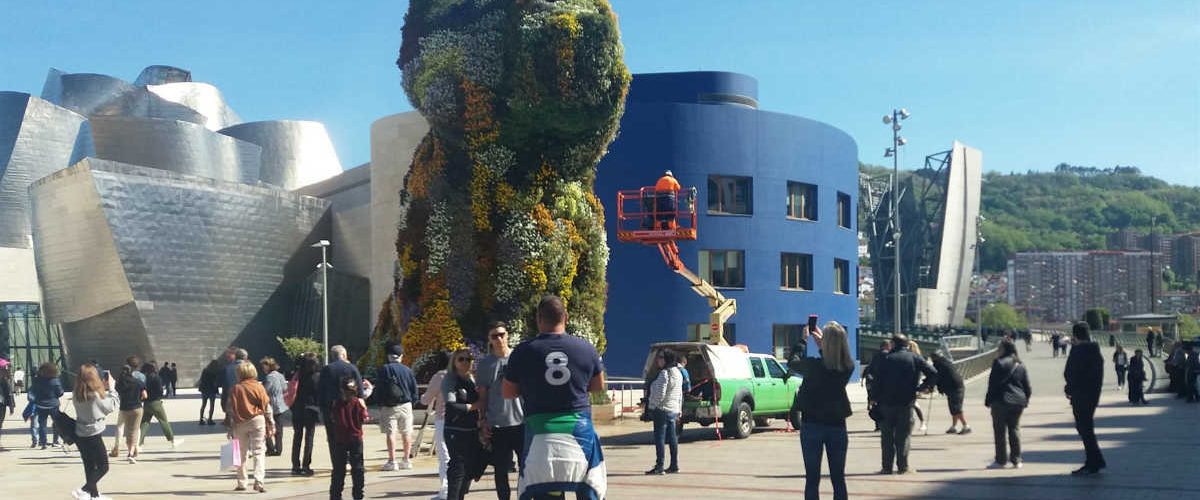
point(777, 225)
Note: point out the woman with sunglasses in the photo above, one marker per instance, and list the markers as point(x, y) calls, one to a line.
point(462, 424)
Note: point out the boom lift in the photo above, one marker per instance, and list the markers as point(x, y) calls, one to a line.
point(661, 217)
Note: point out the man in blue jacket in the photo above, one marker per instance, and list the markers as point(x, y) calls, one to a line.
point(329, 387)
point(395, 390)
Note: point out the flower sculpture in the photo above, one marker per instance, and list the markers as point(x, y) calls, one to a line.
point(522, 98)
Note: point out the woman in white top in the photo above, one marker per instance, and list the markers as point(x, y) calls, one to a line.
point(1121, 363)
point(94, 399)
point(432, 398)
point(665, 404)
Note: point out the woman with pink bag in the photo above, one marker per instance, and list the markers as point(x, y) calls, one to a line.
point(249, 420)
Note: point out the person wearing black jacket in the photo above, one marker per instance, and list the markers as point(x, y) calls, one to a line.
point(898, 380)
point(1137, 378)
point(1007, 396)
point(328, 389)
point(1085, 376)
point(824, 406)
point(951, 384)
point(462, 424)
point(305, 413)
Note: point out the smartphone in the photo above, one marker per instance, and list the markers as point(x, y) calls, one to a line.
point(812, 322)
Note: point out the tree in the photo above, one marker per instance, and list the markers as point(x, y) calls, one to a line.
point(1094, 319)
point(295, 346)
point(1001, 316)
point(1189, 326)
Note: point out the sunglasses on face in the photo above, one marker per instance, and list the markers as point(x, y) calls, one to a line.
point(464, 360)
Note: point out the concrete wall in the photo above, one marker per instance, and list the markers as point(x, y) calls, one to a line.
point(394, 138)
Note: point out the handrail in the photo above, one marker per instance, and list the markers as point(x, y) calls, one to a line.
point(976, 365)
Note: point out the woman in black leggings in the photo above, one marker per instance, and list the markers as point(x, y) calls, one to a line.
point(8, 403)
point(210, 387)
point(305, 414)
point(94, 399)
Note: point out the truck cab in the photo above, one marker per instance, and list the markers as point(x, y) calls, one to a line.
point(730, 385)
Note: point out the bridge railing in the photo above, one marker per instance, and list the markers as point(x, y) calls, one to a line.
point(968, 368)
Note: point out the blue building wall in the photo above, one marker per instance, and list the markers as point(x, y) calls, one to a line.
point(667, 127)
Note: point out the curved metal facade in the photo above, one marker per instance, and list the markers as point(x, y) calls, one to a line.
point(181, 147)
point(169, 266)
point(101, 95)
point(200, 97)
point(672, 122)
point(294, 153)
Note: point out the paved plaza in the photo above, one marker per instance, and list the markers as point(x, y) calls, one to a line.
point(1151, 452)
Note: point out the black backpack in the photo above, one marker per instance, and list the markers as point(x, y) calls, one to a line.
point(65, 426)
point(389, 392)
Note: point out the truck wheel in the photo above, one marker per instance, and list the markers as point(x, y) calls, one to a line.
point(741, 422)
point(762, 421)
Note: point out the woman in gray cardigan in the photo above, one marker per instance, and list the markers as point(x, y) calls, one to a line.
point(94, 399)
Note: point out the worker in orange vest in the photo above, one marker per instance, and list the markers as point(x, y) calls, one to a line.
point(666, 190)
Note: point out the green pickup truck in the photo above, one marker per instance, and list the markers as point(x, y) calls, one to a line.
point(729, 385)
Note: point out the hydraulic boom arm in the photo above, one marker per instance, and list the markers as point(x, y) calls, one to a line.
point(723, 307)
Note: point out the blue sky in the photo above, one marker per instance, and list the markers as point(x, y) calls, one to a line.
point(1031, 83)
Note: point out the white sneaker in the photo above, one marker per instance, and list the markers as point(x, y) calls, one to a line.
point(406, 465)
point(924, 428)
point(389, 466)
point(177, 443)
point(81, 495)
point(1018, 465)
point(131, 460)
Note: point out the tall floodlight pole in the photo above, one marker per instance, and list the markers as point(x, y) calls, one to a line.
point(324, 244)
point(978, 275)
point(894, 152)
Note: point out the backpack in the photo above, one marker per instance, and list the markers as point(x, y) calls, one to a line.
point(293, 386)
point(389, 392)
point(65, 426)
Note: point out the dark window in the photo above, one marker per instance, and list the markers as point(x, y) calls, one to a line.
point(844, 212)
point(841, 276)
point(784, 337)
point(802, 201)
point(724, 268)
point(796, 271)
point(757, 365)
point(730, 195)
point(774, 369)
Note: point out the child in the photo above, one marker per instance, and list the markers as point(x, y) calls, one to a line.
point(349, 413)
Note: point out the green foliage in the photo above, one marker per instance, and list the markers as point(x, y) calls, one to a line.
point(1002, 316)
point(295, 346)
point(1189, 326)
point(1094, 320)
point(600, 398)
point(522, 98)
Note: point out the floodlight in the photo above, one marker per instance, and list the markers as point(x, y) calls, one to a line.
point(887, 153)
point(901, 141)
point(887, 119)
point(896, 126)
point(904, 114)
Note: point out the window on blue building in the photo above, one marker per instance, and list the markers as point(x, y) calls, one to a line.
point(795, 271)
point(723, 268)
point(844, 212)
point(802, 201)
point(730, 195)
point(785, 337)
point(841, 276)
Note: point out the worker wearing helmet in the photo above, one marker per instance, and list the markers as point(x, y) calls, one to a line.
point(666, 190)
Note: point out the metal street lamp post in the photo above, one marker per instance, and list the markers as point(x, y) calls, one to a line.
point(978, 276)
point(897, 141)
point(323, 244)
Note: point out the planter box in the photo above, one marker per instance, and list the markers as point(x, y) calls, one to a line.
point(606, 413)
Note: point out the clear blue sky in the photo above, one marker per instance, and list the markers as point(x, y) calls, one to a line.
point(1031, 83)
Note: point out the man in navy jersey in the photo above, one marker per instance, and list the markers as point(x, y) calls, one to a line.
point(553, 374)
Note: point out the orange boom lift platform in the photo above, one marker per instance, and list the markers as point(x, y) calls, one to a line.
point(661, 217)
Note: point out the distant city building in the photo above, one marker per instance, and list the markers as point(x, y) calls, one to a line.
point(1186, 257)
point(1060, 286)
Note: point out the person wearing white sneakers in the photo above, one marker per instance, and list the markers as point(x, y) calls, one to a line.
point(432, 399)
point(396, 389)
point(94, 400)
point(153, 407)
point(132, 392)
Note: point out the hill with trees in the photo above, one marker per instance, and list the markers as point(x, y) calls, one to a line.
point(1074, 208)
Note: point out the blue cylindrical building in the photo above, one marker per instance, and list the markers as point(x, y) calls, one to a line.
point(777, 198)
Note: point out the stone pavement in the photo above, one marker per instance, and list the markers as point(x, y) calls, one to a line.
point(1151, 451)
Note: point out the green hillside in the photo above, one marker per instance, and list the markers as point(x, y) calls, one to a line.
point(1075, 208)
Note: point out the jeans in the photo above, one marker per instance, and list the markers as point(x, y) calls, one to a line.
point(343, 453)
point(1085, 425)
point(895, 430)
point(95, 462)
point(443, 454)
point(1006, 421)
point(210, 401)
point(38, 425)
point(274, 444)
point(1121, 375)
point(154, 409)
point(464, 446)
point(665, 433)
point(304, 426)
point(835, 441)
point(506, 441)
